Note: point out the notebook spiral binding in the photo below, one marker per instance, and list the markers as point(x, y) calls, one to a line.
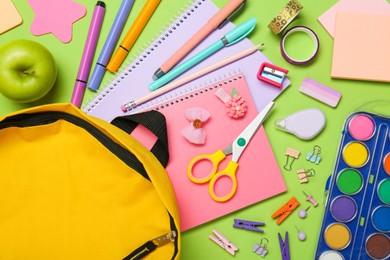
point(190, 91)
point(139, 56)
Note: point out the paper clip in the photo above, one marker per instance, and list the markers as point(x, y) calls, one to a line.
point(314, 155)
point(311, 199)
point(304, 174)
point(220, 240)
point(261, 249)
point(271, 74)
point(293, 154)
point(248, 225)
point(285, 210)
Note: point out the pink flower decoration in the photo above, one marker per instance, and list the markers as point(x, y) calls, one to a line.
point(236, 106)
point(194, 133)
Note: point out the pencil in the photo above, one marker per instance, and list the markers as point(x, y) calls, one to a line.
point(132, 104)
point(132, 35)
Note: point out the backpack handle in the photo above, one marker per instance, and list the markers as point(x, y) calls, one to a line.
point(155, 122)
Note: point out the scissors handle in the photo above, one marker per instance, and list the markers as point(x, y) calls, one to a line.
point(214, 159)
point(229, 172)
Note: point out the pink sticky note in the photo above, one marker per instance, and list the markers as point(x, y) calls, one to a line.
point(361, 47)
point(56, 17)
point(328, 19)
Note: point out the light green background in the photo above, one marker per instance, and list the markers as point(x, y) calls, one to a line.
point(195, 242)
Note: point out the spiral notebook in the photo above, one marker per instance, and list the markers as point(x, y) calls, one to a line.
point(258, 175)
point(132, 82)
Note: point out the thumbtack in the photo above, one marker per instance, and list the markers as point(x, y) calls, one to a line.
point(303, 212)
point(311, 199)
point(301, 235)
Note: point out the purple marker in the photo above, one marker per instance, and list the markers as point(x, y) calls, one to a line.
point(110, 44)
point(88, 53)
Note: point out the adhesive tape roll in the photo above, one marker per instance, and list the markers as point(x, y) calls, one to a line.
point(285, 16)
point(311, 34)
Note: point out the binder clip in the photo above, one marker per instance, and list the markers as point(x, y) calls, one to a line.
point(293, 154)
point(220, 240)
point(314, 155)
point(285, 210)
point(248, 225)
point(304, 175)
point(271, 74)
point(261, 249)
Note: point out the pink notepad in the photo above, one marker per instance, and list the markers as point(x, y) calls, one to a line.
point(9, 16)
point(361, 47)
point(258, 175)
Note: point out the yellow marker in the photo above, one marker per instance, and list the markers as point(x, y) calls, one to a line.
point(355, 154)
point(132, 35)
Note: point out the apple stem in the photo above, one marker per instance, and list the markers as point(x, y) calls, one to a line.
point(25, 72)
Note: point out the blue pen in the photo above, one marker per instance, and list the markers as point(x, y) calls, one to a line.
point(109, 45)
point(228, 39)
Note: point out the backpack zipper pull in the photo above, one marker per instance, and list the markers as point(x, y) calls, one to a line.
point(151, 245)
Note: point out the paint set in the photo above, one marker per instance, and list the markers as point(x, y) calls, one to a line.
point(356, 222)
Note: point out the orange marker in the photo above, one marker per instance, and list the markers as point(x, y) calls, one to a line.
point(132, 35)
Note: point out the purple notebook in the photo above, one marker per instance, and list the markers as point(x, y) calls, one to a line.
point(132, 82)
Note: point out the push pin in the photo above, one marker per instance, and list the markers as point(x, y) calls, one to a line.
point(291, 154)
point(301, 235)
point(303, 212)
point(310, 198)
point(304, 174)
point(314, 155)
point(271, 74)
point(261, 249)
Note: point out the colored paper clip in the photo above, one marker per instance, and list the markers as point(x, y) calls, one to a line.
point(285, 210)
point(314, 155)
point(220, 240)
point(271, 74)
point(290, 153)
point(303, 175)
point(248, 225)
point(284, 246)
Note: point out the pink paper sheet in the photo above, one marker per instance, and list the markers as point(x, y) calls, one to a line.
point(328, 19)
point(258, 175)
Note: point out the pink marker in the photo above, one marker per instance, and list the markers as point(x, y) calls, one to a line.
point(217, 21)
point(320, 92)
point(88, 53)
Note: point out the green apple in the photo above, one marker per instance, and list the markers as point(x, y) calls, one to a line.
point(27, 70)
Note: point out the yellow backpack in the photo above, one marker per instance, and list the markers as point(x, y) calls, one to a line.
point(76, 187)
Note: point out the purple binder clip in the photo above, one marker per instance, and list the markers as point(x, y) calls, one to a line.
point(248, 225)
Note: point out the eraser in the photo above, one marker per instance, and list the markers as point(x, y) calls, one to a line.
point(320, 92)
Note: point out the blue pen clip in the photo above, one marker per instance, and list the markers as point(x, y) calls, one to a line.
point(248, 225)
point(240, 32)
point(227, 19)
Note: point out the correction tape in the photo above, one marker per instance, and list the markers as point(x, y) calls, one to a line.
point(305, 124)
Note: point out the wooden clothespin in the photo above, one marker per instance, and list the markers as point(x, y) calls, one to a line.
point(285, 210)
point(248, 225)
point(220, 240)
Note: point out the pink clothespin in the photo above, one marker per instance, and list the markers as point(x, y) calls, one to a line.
point(223, 242)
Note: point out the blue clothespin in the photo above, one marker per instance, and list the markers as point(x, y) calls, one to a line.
point(284, 247)
point(248, 225)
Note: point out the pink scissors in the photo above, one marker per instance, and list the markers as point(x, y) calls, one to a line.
point(235, 148)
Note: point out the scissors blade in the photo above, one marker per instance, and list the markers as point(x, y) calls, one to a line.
point(240, 143)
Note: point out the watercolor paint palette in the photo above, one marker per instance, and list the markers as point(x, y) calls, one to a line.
point(356, 222)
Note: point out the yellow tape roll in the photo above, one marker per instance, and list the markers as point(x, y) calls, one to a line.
point(285, 16)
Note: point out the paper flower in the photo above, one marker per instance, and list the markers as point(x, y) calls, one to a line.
point(236, 106)
point(194, 133)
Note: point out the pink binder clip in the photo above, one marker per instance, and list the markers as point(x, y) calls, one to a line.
point(220, 240)
point(271, 74)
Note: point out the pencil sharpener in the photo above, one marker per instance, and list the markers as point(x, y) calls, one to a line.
point(271, 74)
